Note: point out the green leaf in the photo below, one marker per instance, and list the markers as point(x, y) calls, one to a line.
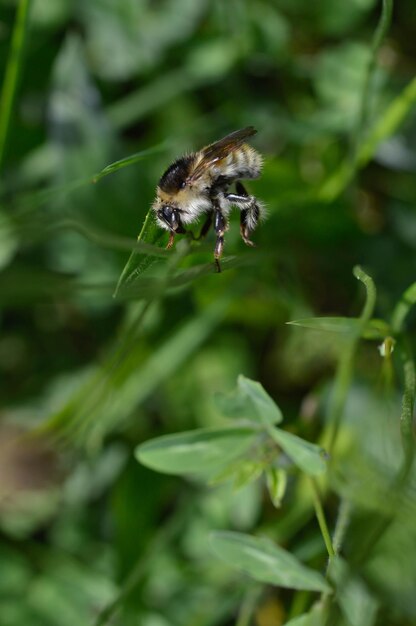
point(357, 604)
point(130, 160)
point(266, 562)
point(137, 263)
point(249, 401)
point(242, 472)
point(195, 452)
point(314, 618)
point(307, 456)
point(264, 408)
point(374, 329)
point(276, 480)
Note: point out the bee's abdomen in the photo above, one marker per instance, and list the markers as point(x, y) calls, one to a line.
point(245, 162)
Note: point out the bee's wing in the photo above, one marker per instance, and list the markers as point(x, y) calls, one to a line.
point(219, 150)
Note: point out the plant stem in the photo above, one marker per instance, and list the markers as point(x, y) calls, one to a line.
point(320, 516)
point(13, 67)
point(340, 392)
point(248, 607)
point(402, 309)
point(341, 526)
point(345, 366)
point(387, 123)
point(406, 417)
point(379, 35)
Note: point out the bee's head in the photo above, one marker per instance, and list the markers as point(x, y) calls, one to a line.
point(166, 216)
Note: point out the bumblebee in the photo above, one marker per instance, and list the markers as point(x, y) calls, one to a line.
point(199, 183)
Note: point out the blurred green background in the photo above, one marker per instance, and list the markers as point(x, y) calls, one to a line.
point(82, 524)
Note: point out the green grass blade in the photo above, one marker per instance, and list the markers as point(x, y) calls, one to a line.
point(130, 160)
point(149, 233)
point(402, 308)
point(345, 366)
point(379, 35)
point(13, 69)
point(387, 125)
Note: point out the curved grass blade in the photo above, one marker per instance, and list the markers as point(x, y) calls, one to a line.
point(379, 35)
point(402, 308)
point(373, 329)
point(345, 365)
point(389, 121)
point(133, 268)
point(127, 161)
point(124, 380)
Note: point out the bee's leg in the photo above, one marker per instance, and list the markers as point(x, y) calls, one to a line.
point(220, 226)
point(173, 221)
point(171, 239)
point(250, 211)
point(205, 227)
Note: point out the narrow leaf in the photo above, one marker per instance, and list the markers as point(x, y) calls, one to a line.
point(195, 452)
point(266, 562)
point(307, 456)
point(374, 329)
point(276, 480)
point(130, 160)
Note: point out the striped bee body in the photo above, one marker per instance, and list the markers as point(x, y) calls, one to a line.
point(200, 183)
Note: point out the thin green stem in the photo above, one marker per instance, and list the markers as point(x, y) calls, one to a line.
point(388, 122)
point(341, 526)
point(248, 606)
point(320, 516)
point(13, 67)
point(406, 417)
point(340, 391)
point(402, 309)
point(365, 107)
point(345, 366)
point(371, 296)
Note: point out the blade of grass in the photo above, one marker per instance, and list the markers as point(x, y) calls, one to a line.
point(379, 35)
point(127, 161)
point(320, 516)
point(13, 69)
point(148, 377)
point(406, 417)
point(30, 201)
point(387, 125)
point(402, 309)
point(128, 273)
point(124, 379)
point(110, 241)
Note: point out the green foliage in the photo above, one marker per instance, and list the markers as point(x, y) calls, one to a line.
point(266, 562)
point(198, 451)
point(119, 358)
